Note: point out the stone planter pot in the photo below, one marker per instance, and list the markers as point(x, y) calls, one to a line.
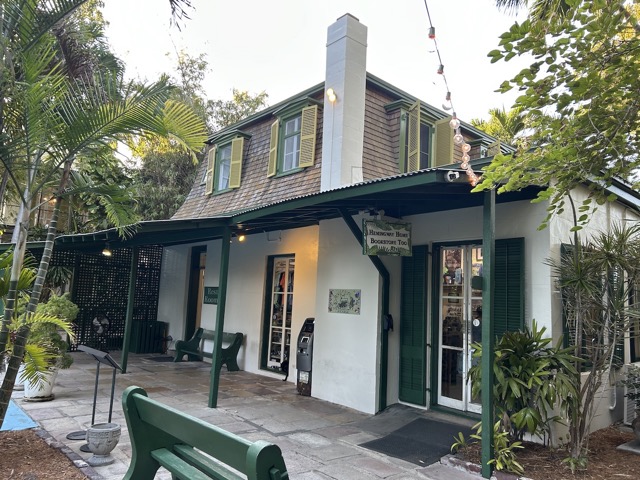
point(41, 391)
point(102, 438)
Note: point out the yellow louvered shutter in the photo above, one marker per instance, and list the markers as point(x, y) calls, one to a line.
point(211, 164)
point(273, 150)
point(413, 138)
point(444, 143)
point(308, 136)
point(237, 149)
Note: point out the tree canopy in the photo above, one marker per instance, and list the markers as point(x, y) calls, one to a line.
point(582, 97)
point(49, 118)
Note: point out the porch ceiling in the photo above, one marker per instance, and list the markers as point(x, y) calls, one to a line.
point(425, 191)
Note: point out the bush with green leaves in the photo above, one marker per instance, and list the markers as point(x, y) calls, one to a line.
point(532, 377)
point(503, 447)
point(59, 306)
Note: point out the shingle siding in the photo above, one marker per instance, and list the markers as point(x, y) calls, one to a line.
point(255, 188)
point(380, 159)
point(381, 133)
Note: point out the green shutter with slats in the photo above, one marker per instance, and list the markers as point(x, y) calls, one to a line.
point(273, 150)
point(444, 143)
point(235, 171)
point(413, 137)
point(413, 338)
point(211, 164)
point(308, 135)
point(508, 314)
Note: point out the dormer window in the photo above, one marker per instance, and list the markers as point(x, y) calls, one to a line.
point(292, 145)
point(428, 144)
point(426, 141)
point(224, 163)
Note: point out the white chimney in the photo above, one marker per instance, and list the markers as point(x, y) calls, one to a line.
point(343, 117)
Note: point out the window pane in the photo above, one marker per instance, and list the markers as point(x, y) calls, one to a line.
point(291, 155)
point(292, 126)
point(425, 145)
point(223, 167)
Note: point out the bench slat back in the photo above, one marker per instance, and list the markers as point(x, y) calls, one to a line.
point(211, 335)
point(225, 446)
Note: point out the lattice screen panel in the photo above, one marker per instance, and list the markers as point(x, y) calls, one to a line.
point(100, 289)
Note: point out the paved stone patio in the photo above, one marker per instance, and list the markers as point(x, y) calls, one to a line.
point(319, 440)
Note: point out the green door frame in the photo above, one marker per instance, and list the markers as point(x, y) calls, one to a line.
point(193, 288)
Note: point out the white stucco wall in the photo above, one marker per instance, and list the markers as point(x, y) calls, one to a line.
point(609, 399)
point(345, 362)
point(172, 301)
point(245, 287)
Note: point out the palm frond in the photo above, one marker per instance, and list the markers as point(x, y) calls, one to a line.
point(29, 20)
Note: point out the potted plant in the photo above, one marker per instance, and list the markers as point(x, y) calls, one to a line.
point(632, 382)
point(48, 345)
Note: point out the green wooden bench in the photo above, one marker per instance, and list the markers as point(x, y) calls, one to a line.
point(190, 448)
point(194, 348)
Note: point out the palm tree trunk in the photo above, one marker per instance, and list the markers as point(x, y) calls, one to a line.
point(43, 268)
point(20, 233)
point(23, 333)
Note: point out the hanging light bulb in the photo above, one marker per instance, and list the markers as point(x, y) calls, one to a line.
point(464, 164)
point(440, 69)
point(432, 33)
point(465, 157)
point(458, 139)
point(446, 107)
point(454, 122)
point(465, 147)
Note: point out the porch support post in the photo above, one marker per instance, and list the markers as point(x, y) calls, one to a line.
point(222, 301)
point(128, 323)
point(488, 341)
point(384, 273)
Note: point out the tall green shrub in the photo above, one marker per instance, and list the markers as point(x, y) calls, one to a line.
point(532, 377)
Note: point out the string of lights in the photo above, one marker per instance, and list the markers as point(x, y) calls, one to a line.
point(458, 138)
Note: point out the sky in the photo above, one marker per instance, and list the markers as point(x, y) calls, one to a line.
point(278, 46)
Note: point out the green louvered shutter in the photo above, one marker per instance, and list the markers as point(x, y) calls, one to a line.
point(211, 164)
point(413, 137)
point(413, 338)
point(273, 150)
point(235, 171)
point(308, 135)
point(509, 286)
point(444, 143)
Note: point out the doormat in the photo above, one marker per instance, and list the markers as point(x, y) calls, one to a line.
point(421, 442)
point(161, 359)
point(16, 419)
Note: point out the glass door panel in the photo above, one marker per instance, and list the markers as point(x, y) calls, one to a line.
point(281, 311)
point(460, 325)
